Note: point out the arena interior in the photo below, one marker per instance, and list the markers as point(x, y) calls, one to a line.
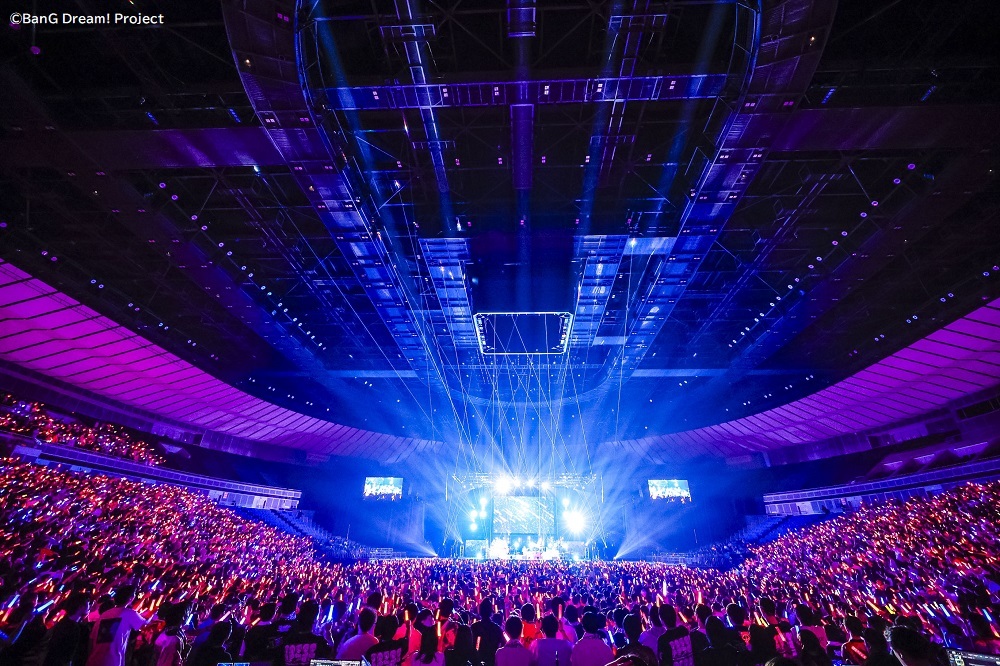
point(500, 333)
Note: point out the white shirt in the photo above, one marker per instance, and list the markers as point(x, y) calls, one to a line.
point(167, 650)
point(566, 630)
point(514, 654)
point(591, 651)
point(109, 637)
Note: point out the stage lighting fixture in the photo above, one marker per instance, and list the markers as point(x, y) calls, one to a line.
point(482, 502)
point(575, 521)
point(473, 514)
point(482, 513)
point(502, 485)
point(565, 502)
point(473, 527)
point(517, 482)
point(546, 486)
point(531, 483)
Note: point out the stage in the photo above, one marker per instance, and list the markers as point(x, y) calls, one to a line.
point(520, 547)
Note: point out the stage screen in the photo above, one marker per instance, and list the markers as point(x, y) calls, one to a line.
point(514, 514)
point(384, 487)
point(477, 548)
point(669, 489)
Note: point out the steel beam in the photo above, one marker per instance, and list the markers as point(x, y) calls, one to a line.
point(666, 88)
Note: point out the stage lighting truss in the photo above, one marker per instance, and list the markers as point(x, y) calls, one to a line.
point(505, 484)
point(523, 333)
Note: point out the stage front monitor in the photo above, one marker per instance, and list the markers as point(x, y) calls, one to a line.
point(514, 514)
point(669, 489)
point(958, 658)
point(383, 487)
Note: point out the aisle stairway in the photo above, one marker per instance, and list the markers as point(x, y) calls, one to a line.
point(299, 523)
point(789, 523)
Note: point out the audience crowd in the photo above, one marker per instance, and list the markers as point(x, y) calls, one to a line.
point(35, 420)
point(99, 571)
point(724, 555)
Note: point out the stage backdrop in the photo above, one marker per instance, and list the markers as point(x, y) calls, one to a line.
point(515, 514)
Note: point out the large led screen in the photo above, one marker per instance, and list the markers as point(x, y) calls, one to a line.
point(384, 487)
point(669, 489)
point(515, 514)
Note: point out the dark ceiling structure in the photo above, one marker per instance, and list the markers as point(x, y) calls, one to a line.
point(522, 229)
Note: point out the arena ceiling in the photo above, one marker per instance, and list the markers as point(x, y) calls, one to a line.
point(736, 206)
